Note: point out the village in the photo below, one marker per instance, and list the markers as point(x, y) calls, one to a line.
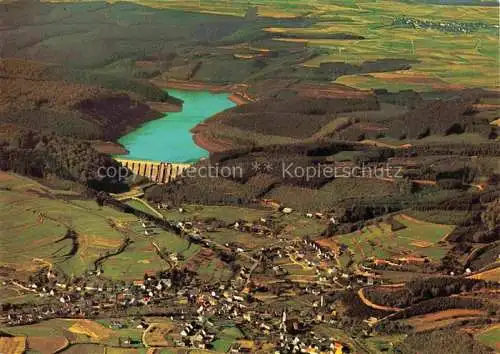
point(256, 298)
point(276, 279)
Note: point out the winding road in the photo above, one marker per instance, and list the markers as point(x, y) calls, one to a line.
point(375, 306)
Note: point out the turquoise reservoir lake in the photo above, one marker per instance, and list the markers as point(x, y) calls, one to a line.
point(169, 138)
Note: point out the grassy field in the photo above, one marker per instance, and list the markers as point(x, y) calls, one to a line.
point(302, 226)
point(442, 318)
point(490, 337)
point(488, 275)
point(457, 46)
point(383, 343)
point(297, 225)
point(272, 8)
point(40, 223)
point(48, 329)
point(51, 344)
point(12, 345)
point(332, 193)
point(140, 206)
point(13, 295)
point(419, 238)
point(454, 217)
point(225, 338)
point(157, 334)
point(141, 256)
point(227, 214)
point(446, 59)
point(246, 240)
point(57, 334)
point(34, 238)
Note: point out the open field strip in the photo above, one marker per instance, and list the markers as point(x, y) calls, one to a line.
point(39, 228)
point(51, 344)
point(490, 275)
point(91, 329)
point(12, 345)
point(490, 336)
point(142, 205)
point(155, 334)
point(442, 318)
point(418, 238)
point(444, 60)
point(68, 334)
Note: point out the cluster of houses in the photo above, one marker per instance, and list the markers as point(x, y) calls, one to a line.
point(243, 300)
point(196, 302)
point(195, 335)
point(294, 344)
point(148, 228)
point(456, 27)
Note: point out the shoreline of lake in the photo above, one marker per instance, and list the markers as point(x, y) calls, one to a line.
point(170, 138)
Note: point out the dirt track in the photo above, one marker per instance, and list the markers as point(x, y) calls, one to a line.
point(375, 306)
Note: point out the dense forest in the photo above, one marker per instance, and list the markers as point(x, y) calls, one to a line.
point(43, 156)
point(419, 290)
point(34, 98)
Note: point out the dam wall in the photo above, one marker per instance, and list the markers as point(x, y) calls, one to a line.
point(156, 171)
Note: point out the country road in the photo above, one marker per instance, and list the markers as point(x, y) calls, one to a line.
point(375, 306)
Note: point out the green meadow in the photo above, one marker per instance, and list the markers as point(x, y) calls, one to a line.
point(490, 337)
point(35, 223)
point(444, 59)
point(418, 238)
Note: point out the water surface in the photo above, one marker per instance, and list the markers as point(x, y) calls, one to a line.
point(169, 138)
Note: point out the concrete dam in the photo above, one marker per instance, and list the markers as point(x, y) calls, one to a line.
point(156, 171)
